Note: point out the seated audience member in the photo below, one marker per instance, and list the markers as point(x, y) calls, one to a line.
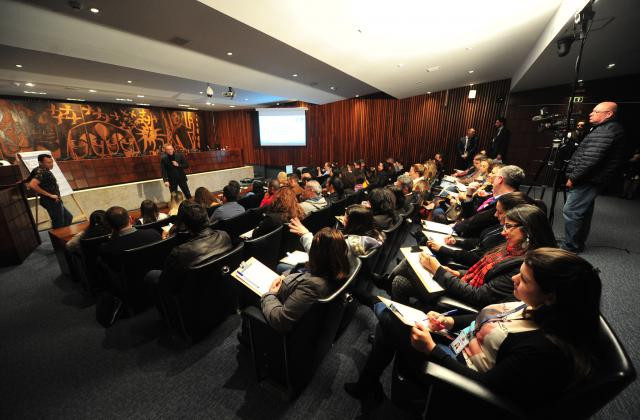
point(230, 207)
point(404, 185)
point(205, 198)
point(335, 189)
point(489, 280)
point(439, 161)
point(257, 188)
point(306, 176)
point(202, 244)
point(430, 173)
point(476, 170)
point(415, 172)
point(291, 296)
point(174, 202)
point(282, 178)
point(506, 179)
point(384, 176)
point(313, 199)
point(98, 226)
point(473, 168)
point(295, 185)
point(530, 351)
point(383, 205)
point(326, 170)
point(469, 251)
point(272, 188)
point(149, 213)
point(284, 207)
point(349, 183)
point(422, 191)
point(124, 236)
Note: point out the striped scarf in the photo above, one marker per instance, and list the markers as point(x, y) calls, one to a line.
point(477, 272)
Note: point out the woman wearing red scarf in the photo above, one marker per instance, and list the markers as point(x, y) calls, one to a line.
point(489, 280)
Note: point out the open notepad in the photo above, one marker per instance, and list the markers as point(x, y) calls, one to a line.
point(438, 238)
point(410, 316)
point(295, 257)
point(247, 235)
point(413, 258)
point(255, 275)
point(437, 227)
point(166, 228)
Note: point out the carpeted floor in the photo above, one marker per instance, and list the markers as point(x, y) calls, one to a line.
point(57, 362)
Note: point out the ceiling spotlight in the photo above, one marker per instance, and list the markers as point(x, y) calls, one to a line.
point(579, 80)
point(92, 90)
point(357, 96)
point(229, 53)
point(470, 71)
point(209, 91)
point(29, 84)
point(332, 88)
point(94, 10)
point(470, 84)
point(246, 99)
point(192, 108)
point(429, 93)
point(184, 105)
point(140, 96)
point(19, 66)
point(432, 69)
point(232, 106)
point(229, 93)
point(142, 104)
point(129, 81)
point(75, 99)
point(17, 84)
point(472, 94)
point(610, 66)
point(201, 92)
point(294, 75)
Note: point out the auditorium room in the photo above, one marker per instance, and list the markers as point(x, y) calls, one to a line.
point(339, 209)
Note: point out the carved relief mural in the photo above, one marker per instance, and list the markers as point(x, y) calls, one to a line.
point(88, 131)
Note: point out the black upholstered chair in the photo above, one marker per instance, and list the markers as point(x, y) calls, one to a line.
point(240, 224)
point(207, 296)
point(390, 246)
point(290, 360)
point(92, 276)
point(265, 248)
point(251, 201)
point(337, 208)
point(158, 224)
point(318, 219)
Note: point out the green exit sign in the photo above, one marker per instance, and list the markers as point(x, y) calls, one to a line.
point(578, 99)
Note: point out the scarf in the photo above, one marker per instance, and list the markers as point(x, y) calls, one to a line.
point(477, 272)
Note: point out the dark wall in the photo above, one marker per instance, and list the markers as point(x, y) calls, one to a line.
point(92, 130)
point(411, 129)
point(530, 147)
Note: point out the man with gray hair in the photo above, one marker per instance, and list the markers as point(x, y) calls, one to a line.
point(314, 200)
point(405, 183)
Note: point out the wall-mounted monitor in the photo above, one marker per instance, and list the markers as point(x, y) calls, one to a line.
point(282, 126)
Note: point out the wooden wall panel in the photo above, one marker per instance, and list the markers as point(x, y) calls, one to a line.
point(410, 130)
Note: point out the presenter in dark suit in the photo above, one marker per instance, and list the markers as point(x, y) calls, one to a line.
point(466, 149)
point(173, 165)
point(500, 142)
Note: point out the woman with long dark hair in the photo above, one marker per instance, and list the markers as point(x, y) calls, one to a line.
point(149, 213)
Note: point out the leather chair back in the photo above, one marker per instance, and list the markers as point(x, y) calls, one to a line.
point(265, 248)
point(337, 208)
point(252, 201)
point(158, 224)
point(92, 276)
point(390, 246)
point(240, 224)
point(318, 219)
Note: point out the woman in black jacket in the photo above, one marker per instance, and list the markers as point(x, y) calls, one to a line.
point(529, 351)
point(489, 280)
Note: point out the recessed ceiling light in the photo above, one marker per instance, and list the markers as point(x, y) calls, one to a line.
point(19, 66)
point(432, 69)
point(129, 81)
point(332, 88)
point(232, 106)
point(92, 90)
point(29, 84)
point(18, 84)
point(75, 99)
point(470, 71)
point(294, 75)
point(429, 93)
point(184, 105)
point(140, 96)
point(470, 84)
point(200, 92)
point(278, 103)
point(94, 10)
point(610, 66)
point(143, 104)
point(229, 53)
point(35, 93)
point(579, 80)
point(246, 99)
point(357, 96)
point(192, 108)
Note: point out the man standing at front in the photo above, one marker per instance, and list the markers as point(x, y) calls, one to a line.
point(500, 143)
point(42, 181)
point(588, 171)
point(466, 149)
point(173, 165)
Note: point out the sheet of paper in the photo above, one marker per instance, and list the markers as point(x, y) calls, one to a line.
point(295, 257)
point(255, 275)
point(167, 228)
point(461, 187)
point(247, 235)
point(438, 227)
point(410, 316)
point(438, 238)
point(413, 258)
point(449, 178)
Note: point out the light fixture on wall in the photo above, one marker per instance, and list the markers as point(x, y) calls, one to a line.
point(472, 94)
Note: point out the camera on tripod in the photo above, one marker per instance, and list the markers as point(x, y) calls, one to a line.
point(559, 124)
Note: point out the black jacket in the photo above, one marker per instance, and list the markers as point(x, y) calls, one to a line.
point(171, 173)
point(474, 225)
point(473, 248)
point(497, 287)
point(472, 146)
point(499, 144)
point(200, 248)
point(598, 156)
point(111, 251)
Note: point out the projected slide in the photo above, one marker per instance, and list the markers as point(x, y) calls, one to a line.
point(282, 126)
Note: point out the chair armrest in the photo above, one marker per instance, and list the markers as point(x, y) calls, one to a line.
point(254, 314)
point(447, 301)
point(436, 375)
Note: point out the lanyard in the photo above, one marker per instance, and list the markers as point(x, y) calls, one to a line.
point(495, 317)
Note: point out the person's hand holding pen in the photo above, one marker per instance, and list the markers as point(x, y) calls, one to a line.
point(429, 262)
point(440, 321)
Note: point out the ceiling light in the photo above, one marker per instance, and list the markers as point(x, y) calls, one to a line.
point(332, 88)
point(472, 94)
point(201, 92)
point(610, 66)
point(278, 103)
point(209, 90)
point(75, 99)
point(124, 99)
point(140, 96)
point(143, 104)
point(470, 71)
point(184, 105)
point(94, 10)
point(229, 53)
point(35, 93)
point(468, 48)
point(579, 80)
point(357, 96)
point(400, 65)
point(192, 108)
point(432, 69)
point(246, 99)
point(92, 90)
point(17, 84)
point(295, 75)
point(29, 84)
point(470, 84)
point(232, 106)
point(129, 81)
point(429, 93)
point(19, 66)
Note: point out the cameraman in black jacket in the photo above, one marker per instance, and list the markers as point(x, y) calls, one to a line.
point(590, 168)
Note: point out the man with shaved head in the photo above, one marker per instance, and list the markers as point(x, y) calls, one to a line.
point(590, 168)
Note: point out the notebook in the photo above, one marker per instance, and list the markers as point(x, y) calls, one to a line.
point(255, 275)
point(437, 227)
point(413, 258)
point(438, 238)
point(410, 316)
point(295, 257)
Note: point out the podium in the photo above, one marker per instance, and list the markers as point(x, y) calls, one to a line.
point(17, 228)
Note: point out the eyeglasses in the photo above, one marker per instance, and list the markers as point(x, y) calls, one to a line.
point(509, 226)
